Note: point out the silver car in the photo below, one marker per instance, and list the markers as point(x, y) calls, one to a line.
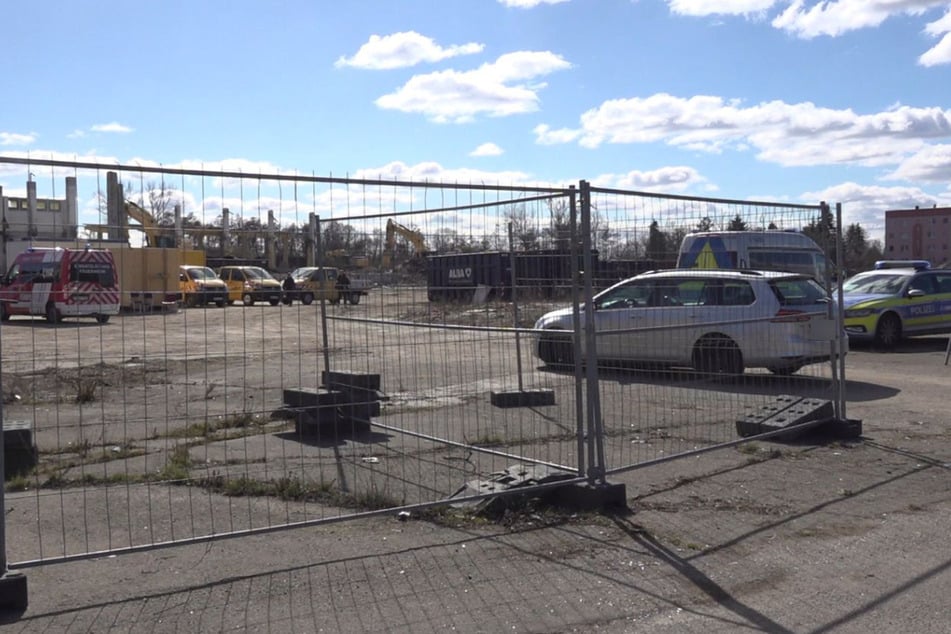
point(719, 321)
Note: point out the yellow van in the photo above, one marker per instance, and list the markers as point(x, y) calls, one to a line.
point(199, 285)
point(312, 282)
point(250, 284)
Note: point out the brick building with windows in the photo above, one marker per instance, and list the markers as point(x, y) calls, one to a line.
point(920, 234)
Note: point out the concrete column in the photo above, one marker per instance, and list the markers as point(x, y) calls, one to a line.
point(269, 250)
point(31, 208)
point(71, 211)
point(179, 229)
point(113, 206)
point(225, 230)
point(310, 245)
point(3, 231)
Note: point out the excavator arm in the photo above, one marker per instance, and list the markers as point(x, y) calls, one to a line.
point(415, 238)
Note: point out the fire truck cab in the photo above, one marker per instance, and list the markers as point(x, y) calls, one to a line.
point(58, 283)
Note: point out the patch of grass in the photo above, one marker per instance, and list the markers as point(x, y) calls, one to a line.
point(209, 428)
point(371, 500)
point(55, 481)
point(489, 440)
point(17, 483)
point(176, 466)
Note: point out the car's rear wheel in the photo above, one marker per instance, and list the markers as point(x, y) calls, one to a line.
point(273, 302)
point(102, 319)
point(52, 315)
point(888, 332)
point(717, 354)
point(220, 303)
point(4, 313)
point(354, 298)
point(556, 350)
point(248, 299)
point(307, 299)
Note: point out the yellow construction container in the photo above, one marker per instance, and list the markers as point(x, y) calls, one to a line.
point(148, 277)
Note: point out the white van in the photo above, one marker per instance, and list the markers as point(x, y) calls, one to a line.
point(789, 251)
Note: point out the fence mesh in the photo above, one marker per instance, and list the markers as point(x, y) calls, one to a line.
point(192, 416)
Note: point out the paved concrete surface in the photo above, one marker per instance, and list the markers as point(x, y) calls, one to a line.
point(813, 536)
point(692, 557)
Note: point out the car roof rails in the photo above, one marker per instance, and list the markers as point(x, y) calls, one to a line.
point(918, 265)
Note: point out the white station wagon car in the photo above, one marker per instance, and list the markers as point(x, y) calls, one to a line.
point(719, 321)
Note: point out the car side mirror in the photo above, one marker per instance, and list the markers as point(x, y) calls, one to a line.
point(916, 292)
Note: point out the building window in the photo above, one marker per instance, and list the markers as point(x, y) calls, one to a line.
point(41, 205)
point(13, 203)
point(54, 205)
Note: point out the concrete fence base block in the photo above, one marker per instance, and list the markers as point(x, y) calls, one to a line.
point(13, 594)
point(848, 428)
point(592, 497)
point(523, 398)
point(785, 412)
point(19, 450)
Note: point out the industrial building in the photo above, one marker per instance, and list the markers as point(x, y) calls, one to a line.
point(31, 218)
point(920, 234)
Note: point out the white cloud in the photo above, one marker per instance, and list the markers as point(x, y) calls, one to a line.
point(10, 169)
point(111, 127)
point(809, 19)
point(497, 89)
point(665, 179)
point(836, 17)
point(940, 53)
point(867, 204)
point(76, 134)
point(931, 164)
point(787, 134)
point(487, 149)
point(400, 50)
point(544, 135)
point(12, 138)
point(720, 7)
point(527, 4)
point(433, 172)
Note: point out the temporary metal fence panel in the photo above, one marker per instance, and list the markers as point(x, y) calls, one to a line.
point(172, 424)
point(699, 373)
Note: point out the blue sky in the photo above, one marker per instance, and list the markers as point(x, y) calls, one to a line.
point(796, 100)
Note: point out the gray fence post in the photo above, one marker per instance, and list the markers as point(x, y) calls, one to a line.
point(13, 593)
point(596, 466)
point(580, 403)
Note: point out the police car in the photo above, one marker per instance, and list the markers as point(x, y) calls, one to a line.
point(897, 299)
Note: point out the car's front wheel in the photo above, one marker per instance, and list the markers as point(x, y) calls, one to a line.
point(52, 315)
point(102, 319)
point(888, 332)
point(4, 313)
point(307, 299)
point(556, 350)
point(248, 299)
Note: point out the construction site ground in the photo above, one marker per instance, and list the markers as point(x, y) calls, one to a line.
point(814, 535)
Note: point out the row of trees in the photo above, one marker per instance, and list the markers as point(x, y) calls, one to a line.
point(549, 229)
